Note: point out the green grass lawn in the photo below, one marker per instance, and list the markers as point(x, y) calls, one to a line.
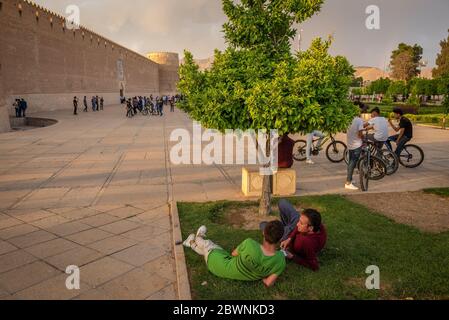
point(439, 191)
point(413, 264)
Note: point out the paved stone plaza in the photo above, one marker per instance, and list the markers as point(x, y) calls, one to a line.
point(94, 191)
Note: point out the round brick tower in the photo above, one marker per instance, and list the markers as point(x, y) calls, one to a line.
point(168, 71)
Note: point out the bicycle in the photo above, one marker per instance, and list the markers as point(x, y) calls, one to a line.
point(386, 155)
point(411, 156)
point(335, 151)
point(371, 167)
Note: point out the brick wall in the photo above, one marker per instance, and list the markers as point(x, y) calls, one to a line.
point(48, 64)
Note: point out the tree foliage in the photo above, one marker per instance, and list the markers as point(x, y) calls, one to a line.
point(405, 61)
point(257, 83)
point(442, 61)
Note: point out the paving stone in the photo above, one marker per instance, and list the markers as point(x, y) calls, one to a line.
point(51, 248)
point(125, 212)
point(143, 233)
point(26, 276)
point(50, 222)
point(30, 215)
point(167, 293)
point(103, 270)
point(121, 226)
point(51, 289)
point(89, 236)
point(31, 239)
point(142, 253)
point(163, 266)
point(8, 222)
point(111, 245)
point(14, 260)
point(134, 285)
point(69, 228)
point(17, 231)
point(6, 247)
point(80, 213)
point(99, 220)
point(76, 257)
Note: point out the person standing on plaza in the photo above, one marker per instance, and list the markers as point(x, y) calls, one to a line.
point(172, 104)
point(97, 103)
point(101, 103)
point(23, 107)
point(355, 142)
point(93, 104)
point(16, 106)
point(75, 106)
point(85, 104)
point(161, 107)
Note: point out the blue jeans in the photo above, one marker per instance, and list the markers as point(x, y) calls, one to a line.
point(354, 156)
point(310, 137)
point(399, 144)
point(289, 217)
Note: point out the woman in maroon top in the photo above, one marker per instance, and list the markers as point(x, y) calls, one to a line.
point(305, 236)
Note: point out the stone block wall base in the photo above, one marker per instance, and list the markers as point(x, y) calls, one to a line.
point(284, 183)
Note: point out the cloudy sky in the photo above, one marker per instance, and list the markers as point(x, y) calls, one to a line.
point(175, 25)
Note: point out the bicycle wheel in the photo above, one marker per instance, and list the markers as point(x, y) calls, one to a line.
point(391, 161)
point(299, 150)
point(412, 156)
point(364, 174)
point(378, 169)
point(145, 112)
point(335, 151)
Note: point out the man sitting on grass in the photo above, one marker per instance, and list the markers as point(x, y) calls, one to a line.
point(251, 261)
point(305, 236)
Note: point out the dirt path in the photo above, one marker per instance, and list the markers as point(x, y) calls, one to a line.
point(427, 212)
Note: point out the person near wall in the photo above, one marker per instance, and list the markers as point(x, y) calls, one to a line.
point(75, 106)
point(23, 107)
point(101, 103)
point(93, 104)
point(85, 104)
point(16, 106)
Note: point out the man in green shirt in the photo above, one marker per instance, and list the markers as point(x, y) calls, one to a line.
point(251, 261)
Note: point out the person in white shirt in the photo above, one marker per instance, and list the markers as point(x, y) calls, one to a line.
point(355, 142)
point(380, 126)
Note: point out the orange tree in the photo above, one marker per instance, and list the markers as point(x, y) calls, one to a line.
point(259, 83)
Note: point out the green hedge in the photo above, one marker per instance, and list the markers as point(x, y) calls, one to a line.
point(427, 118)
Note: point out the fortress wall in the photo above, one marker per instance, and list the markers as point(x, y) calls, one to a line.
point(47, 64)
point(4, 117)
point(168, 71)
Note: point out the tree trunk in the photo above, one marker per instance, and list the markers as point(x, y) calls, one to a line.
point(265, 201)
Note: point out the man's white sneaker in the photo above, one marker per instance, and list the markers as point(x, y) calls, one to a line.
point(351, 187)
point(310, 162)
point(201, 232)
point(188, 242)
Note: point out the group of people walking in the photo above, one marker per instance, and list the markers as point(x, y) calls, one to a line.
point(20, 106)
point(97, 104)
point(149, 105)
